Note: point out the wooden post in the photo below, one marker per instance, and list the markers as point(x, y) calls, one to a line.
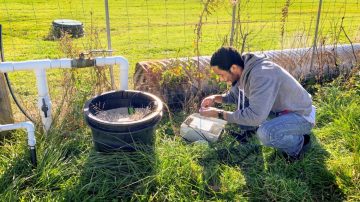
point(6, 115)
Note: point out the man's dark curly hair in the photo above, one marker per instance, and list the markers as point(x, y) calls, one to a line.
point(225, 57)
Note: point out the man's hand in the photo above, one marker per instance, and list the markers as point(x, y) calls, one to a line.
point(209, 112)
point(210, 101)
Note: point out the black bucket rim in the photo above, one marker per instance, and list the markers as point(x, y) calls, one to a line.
point(157, 112)
point(107, 130)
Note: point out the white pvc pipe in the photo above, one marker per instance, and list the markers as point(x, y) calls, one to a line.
point(34, 64)
point(30, 129)
point(66, 63)
point(40, 66)
point(44, 102)
point(116, 60)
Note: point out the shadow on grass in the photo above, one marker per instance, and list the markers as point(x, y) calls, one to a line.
point(244, 157)
point(68, 171)
point(268, 177)
point(115, 176)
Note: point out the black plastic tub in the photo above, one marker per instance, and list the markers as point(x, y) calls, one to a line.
point(127, 135)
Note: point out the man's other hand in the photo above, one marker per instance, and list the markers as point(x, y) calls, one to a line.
point(209, 112)
point(208, 101)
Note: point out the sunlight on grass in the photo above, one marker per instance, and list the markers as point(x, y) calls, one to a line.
point(69, 168)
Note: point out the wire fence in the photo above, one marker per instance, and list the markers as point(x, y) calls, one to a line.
point(145, 29)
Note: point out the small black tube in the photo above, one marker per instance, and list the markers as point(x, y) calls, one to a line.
point(33, 156)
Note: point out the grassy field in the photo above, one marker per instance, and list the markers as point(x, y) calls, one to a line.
point(70, 170)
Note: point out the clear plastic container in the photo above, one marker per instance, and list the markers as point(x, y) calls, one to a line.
point(200, 128)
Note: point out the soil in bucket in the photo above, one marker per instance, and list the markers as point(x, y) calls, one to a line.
point(123, 114)
point(123, 120)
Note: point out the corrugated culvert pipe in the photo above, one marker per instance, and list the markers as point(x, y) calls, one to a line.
point(329, 62)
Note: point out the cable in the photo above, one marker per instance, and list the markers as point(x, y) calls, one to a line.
point(199, 132)
point(8, 81)
point(15, 99)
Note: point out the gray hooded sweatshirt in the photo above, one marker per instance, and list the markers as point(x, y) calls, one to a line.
point(268, 88)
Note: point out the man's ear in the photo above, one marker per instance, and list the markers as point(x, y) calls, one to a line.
point(234, 69)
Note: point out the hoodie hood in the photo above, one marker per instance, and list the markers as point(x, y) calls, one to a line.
point(250, 62)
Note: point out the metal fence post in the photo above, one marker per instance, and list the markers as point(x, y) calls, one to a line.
point(233, 23)
point(316, 35)
point(109, 42)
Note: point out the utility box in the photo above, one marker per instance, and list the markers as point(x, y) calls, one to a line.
point(73, 27)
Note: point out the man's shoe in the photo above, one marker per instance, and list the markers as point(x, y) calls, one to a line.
point(306, 146)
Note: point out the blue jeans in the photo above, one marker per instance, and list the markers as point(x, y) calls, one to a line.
point(285, 132)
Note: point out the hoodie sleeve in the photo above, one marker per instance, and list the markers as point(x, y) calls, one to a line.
point(231, 97)
point(262, 95)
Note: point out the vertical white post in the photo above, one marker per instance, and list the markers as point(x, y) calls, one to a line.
point(109, 42)
point(44, 102)
point(123, 64)
point(124, 72)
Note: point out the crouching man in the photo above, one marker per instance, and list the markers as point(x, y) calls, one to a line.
point(260, 88)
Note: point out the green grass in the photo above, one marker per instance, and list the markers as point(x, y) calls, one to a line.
point(70, 169)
